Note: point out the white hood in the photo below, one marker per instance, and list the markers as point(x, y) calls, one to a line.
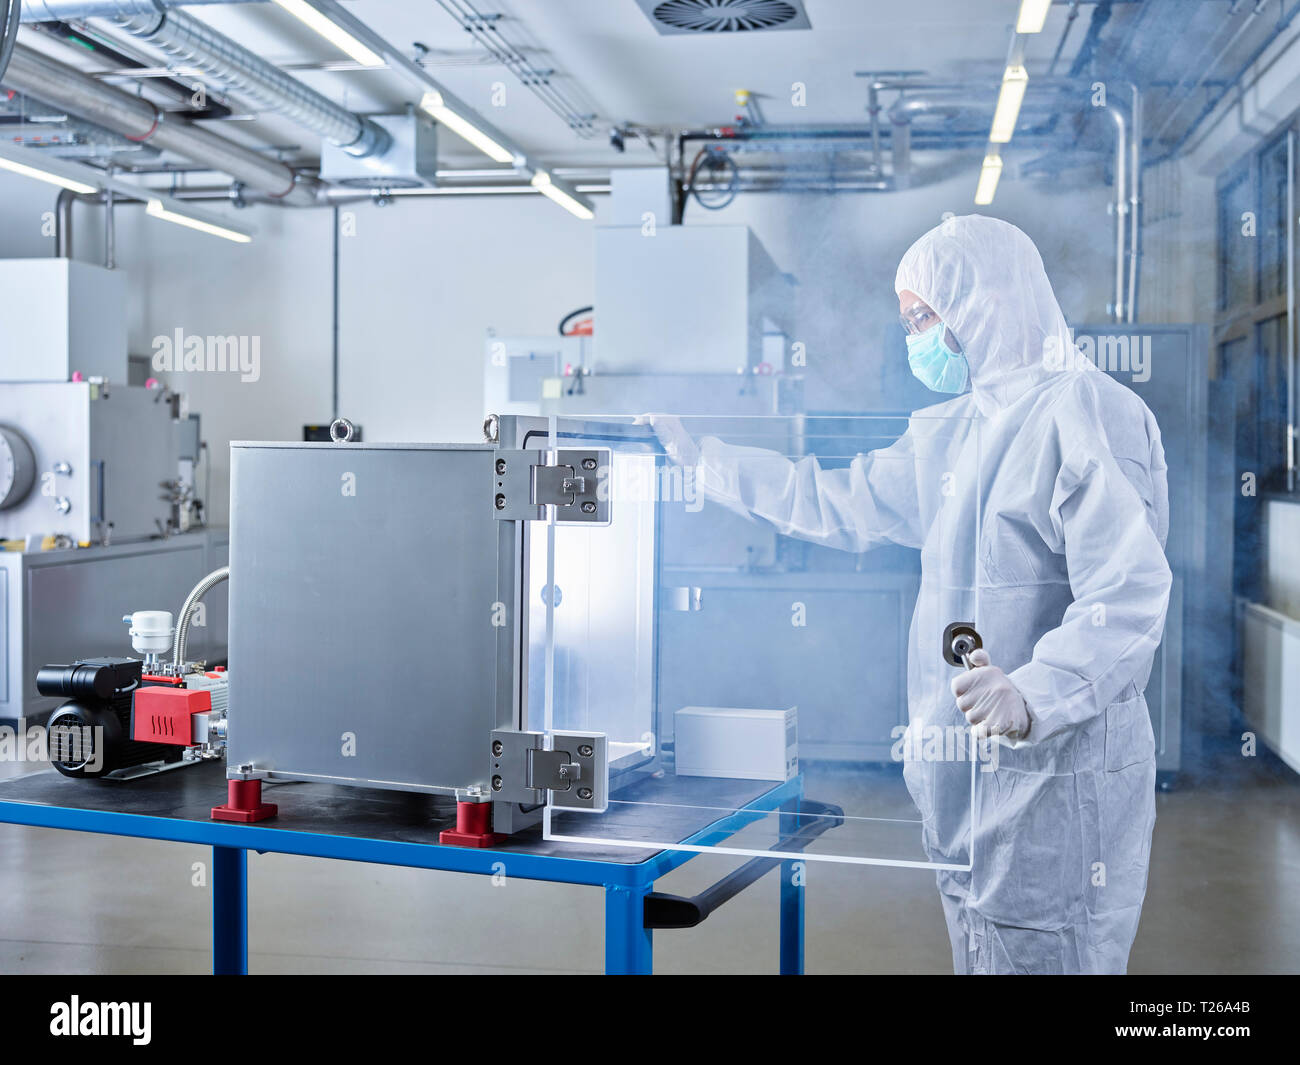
point(986, 280)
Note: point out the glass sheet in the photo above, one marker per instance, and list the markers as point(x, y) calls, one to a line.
point(739, 631)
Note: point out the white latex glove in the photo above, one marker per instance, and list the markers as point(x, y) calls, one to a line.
point(676, 441)
point(991, 703)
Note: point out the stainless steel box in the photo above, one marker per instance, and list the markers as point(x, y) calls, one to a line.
point(374, 628)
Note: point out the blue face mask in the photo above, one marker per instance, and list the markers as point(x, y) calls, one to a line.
point(933, 364)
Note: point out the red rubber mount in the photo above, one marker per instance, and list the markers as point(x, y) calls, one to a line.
point(473, 827)
point(244, 803)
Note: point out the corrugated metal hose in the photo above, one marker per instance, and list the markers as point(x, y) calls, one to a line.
point(191, 601)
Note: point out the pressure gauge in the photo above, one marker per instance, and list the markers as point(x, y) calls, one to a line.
point(17, 468)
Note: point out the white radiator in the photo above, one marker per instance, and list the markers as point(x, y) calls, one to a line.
point(1271, 651)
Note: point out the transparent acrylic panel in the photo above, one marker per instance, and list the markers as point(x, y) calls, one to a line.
point(758, 631)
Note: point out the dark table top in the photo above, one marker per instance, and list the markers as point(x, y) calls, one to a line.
point(667, 808)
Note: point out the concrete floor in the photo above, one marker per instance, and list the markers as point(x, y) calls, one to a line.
point(1222, 899)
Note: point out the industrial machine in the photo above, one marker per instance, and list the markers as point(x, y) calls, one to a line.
point(696, 320)
point(87, 462)
point(100, 495)
point(516, 627)
point(128, 717)
point(92, 734)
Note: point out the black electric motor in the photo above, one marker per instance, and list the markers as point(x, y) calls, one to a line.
point(90, 734)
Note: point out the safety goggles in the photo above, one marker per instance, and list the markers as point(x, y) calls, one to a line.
point(918, 318)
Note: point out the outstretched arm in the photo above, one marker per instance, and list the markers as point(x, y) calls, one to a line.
point(873, 501)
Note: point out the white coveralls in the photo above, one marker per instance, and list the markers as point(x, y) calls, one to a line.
point(1060, 469)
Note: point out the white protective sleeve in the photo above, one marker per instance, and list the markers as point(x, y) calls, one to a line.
point(1120, 581)
point(872, 502)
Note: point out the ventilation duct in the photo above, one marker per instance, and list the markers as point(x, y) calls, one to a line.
point(411, 161)
point(671, 17)
point(10, 13)
point(193, 43)
point(80, 10)
point(140, 121)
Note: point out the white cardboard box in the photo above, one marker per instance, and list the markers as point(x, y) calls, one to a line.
point(736, 743)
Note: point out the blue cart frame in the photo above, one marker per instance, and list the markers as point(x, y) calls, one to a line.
point(629, 945)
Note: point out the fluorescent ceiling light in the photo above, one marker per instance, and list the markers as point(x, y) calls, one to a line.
point(158, 210)
point(989, 174)
point(1033, 13)
point(432, 103)
point(332, 32)
point(48, 176)
point(1010, 96)
point(541, 181)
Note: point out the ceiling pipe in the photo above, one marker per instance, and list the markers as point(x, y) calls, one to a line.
point(79, 10)
point(1065, 34)
point(873, 109)
point(10, 15)
point(1280, 27)
point(901, 113)
point(752, 179)
point(1134, 200)
point(142, 122)
point(1121, 150)
point(1203, 70)
point(1128, 202)
point(900, 149)
point(193, 43)
point(63, 218)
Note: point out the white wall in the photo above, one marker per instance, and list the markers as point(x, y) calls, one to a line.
point(276, 290)
point(423, 280)
point(1179, 267)
point(26, 217)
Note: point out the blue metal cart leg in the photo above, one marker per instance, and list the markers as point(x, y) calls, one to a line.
point(629, 945)
point(229, 911)
point(793, 874)
point(792, 906)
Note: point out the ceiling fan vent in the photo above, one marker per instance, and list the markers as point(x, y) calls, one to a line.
point(725, 16)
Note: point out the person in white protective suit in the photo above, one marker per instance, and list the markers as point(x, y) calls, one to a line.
point(1038, 499)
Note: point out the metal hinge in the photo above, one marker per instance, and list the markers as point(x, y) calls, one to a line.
point(577, 485)
point(571, 774)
